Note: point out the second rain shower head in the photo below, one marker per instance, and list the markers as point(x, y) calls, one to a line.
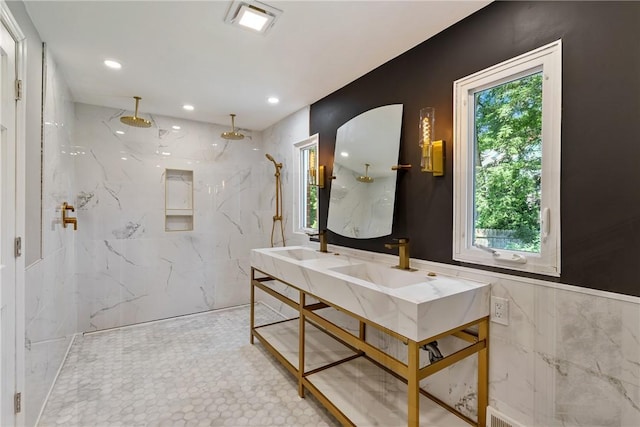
point(134, 120)
point(232, 134)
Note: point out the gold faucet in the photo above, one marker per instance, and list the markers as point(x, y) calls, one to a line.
point(403, 251)
point(68, 220)
point(322, 235)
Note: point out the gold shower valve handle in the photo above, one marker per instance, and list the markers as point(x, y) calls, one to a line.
point(68, 220)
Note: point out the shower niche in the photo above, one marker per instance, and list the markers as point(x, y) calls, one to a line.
point(178, 200)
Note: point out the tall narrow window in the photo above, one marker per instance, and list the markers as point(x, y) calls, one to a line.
point(507, 164)
point(306, 154)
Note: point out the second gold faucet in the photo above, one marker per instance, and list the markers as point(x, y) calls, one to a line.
point(403, 251)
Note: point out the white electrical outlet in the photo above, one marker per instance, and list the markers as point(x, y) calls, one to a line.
point(500, 310)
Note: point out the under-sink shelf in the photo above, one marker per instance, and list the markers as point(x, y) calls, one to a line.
point(320, 348)
point(370, 396)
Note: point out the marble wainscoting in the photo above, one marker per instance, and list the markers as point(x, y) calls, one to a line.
point(570, 356)
point(129, 268)
point(50, 286)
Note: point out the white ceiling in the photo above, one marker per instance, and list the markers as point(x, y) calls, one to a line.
point(177, 52)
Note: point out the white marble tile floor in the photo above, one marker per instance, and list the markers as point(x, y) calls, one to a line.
point(191, 371)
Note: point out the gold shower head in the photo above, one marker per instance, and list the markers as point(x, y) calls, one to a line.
point(134, 120)
point(365, 178)
point(232, 134)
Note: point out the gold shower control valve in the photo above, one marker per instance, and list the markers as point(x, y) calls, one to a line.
point(68, 220)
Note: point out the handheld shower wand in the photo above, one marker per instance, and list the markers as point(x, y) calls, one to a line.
point(270, 157)
point(278, 215)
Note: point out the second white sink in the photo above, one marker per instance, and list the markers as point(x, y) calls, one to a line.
point(382, 275)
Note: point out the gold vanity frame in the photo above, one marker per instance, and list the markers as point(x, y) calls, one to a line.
point(410, 373)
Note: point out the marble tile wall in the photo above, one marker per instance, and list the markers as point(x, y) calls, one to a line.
point(50, 294)
point(129, 269)
point(279, 141)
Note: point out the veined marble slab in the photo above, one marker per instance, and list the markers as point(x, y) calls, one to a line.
point(410, 303)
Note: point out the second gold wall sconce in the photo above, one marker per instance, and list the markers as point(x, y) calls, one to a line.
point(432, 155)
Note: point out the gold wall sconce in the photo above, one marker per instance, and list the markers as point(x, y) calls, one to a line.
point(68, 220)
point(432, 152)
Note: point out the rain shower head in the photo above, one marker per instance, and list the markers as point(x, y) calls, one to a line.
point(365, 178)
point(134, 120)
point(232, 134)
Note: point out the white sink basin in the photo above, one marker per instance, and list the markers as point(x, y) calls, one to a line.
point(300, 254)
point(382, 275)
point(410, 303)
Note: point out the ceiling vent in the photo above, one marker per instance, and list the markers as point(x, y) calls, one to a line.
point(252, 15)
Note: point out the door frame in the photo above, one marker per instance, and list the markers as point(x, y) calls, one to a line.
point(7, 19)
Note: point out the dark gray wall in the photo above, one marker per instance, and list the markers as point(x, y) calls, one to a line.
point(600, 183)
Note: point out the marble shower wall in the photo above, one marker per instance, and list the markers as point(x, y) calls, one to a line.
point(50, 294)
point(279, 141)
point(129, 269)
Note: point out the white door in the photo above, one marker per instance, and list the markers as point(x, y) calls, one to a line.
point(8, 377)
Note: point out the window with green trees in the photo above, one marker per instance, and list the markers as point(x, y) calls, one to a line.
point(508, 151)
point(507, 163)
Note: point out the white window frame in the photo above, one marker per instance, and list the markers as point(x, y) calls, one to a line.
point(548, 59)
point(298, 204)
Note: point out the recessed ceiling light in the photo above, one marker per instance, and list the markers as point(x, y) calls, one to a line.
point(252, 15)
point(166, 153)
point(188, 107)
point(175, 127)
point(119, 132)
point(123, 158)
point(112, 64)
point(273, 100)
point(344, 154)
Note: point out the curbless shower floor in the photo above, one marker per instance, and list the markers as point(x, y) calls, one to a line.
point(193, 371)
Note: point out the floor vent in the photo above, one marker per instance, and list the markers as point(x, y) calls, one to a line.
point(498, 419)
